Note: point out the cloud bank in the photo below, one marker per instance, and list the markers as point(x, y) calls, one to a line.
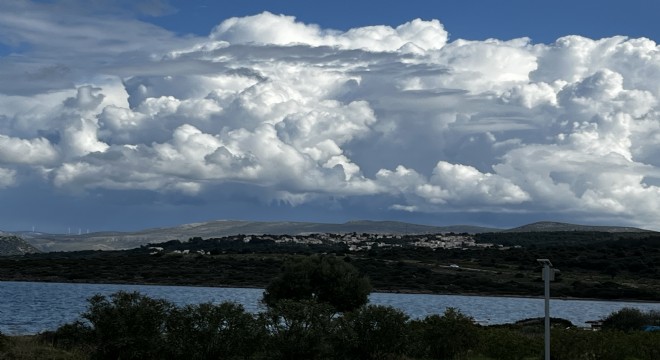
point(300, 114)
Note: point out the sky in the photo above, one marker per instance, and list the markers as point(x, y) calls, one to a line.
point(125, 115)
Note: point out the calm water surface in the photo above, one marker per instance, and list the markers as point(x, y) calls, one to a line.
point(31, 307)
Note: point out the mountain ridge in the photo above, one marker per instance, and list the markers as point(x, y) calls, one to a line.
point(114, 240)
point(559, 226)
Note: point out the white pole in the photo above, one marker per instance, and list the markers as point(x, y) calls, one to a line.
point(546, 277)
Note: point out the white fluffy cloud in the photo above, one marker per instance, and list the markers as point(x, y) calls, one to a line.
point(36, 151)
point(259, 29)
point(304, 113)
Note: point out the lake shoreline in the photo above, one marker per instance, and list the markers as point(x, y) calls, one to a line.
point(375, 290)
point(31, 307)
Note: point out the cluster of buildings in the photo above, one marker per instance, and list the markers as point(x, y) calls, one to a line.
point(357, 242)
point(362, 242)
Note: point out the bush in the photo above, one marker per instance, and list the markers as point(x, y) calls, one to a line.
point(509, 344)
point(604, 345)
point(615, 345)
point(646, 344)
point(372, 332)
point(299, 330)
point(450, 336)
point(208, 331)
point(128, 325)
point(69, 336)
point(626, 319)
point(573, 344)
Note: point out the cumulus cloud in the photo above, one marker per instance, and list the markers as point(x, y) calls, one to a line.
point(37, 151)
point(302, 114)
point(258, 29)
point(451, 186)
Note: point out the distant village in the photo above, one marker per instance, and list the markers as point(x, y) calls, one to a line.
point(360, 242)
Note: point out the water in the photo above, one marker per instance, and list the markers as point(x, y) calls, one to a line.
point(32, 307)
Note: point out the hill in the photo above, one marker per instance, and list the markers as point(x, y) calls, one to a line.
point(221, 228)
point(549, 226)
point(13, 245)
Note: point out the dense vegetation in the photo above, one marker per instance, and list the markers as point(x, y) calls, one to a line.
point(323, 279)
point(317, 318)
point(592, 264)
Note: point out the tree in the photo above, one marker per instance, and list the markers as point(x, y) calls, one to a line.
point(325, 279)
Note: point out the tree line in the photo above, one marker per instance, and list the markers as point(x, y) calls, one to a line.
point(594, 265)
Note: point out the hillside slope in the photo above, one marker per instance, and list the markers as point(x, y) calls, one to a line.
point(545, 226)
point(13, 245)
point(221, 228)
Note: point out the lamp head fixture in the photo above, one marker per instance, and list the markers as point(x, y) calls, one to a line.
point(544, 262)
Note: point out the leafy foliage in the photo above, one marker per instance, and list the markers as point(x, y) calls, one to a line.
point(307, 329)
point(508, 344)
point(208, 331)
point(325, 279)
point(70, 336)
point(630, 319)
point(299, 329)
point(604, 345)
point(450, 336)
point(593, 264)
point(128, 325)
point(372, 332)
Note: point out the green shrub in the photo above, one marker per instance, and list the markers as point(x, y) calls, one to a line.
point(372, 332)
point(208, 331)
point(450, 336)
point(574, 344)
point(604, 345)
point(69, 336)
point(614, 345)
point(646, 344)
point(626, 319)
point(509, 344)
point(128, 325)
point(326, 279)
point(299, 330)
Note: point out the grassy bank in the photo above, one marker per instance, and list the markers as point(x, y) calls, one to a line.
point(34, 348)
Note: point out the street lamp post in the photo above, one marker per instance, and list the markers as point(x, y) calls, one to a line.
point(548, 275)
